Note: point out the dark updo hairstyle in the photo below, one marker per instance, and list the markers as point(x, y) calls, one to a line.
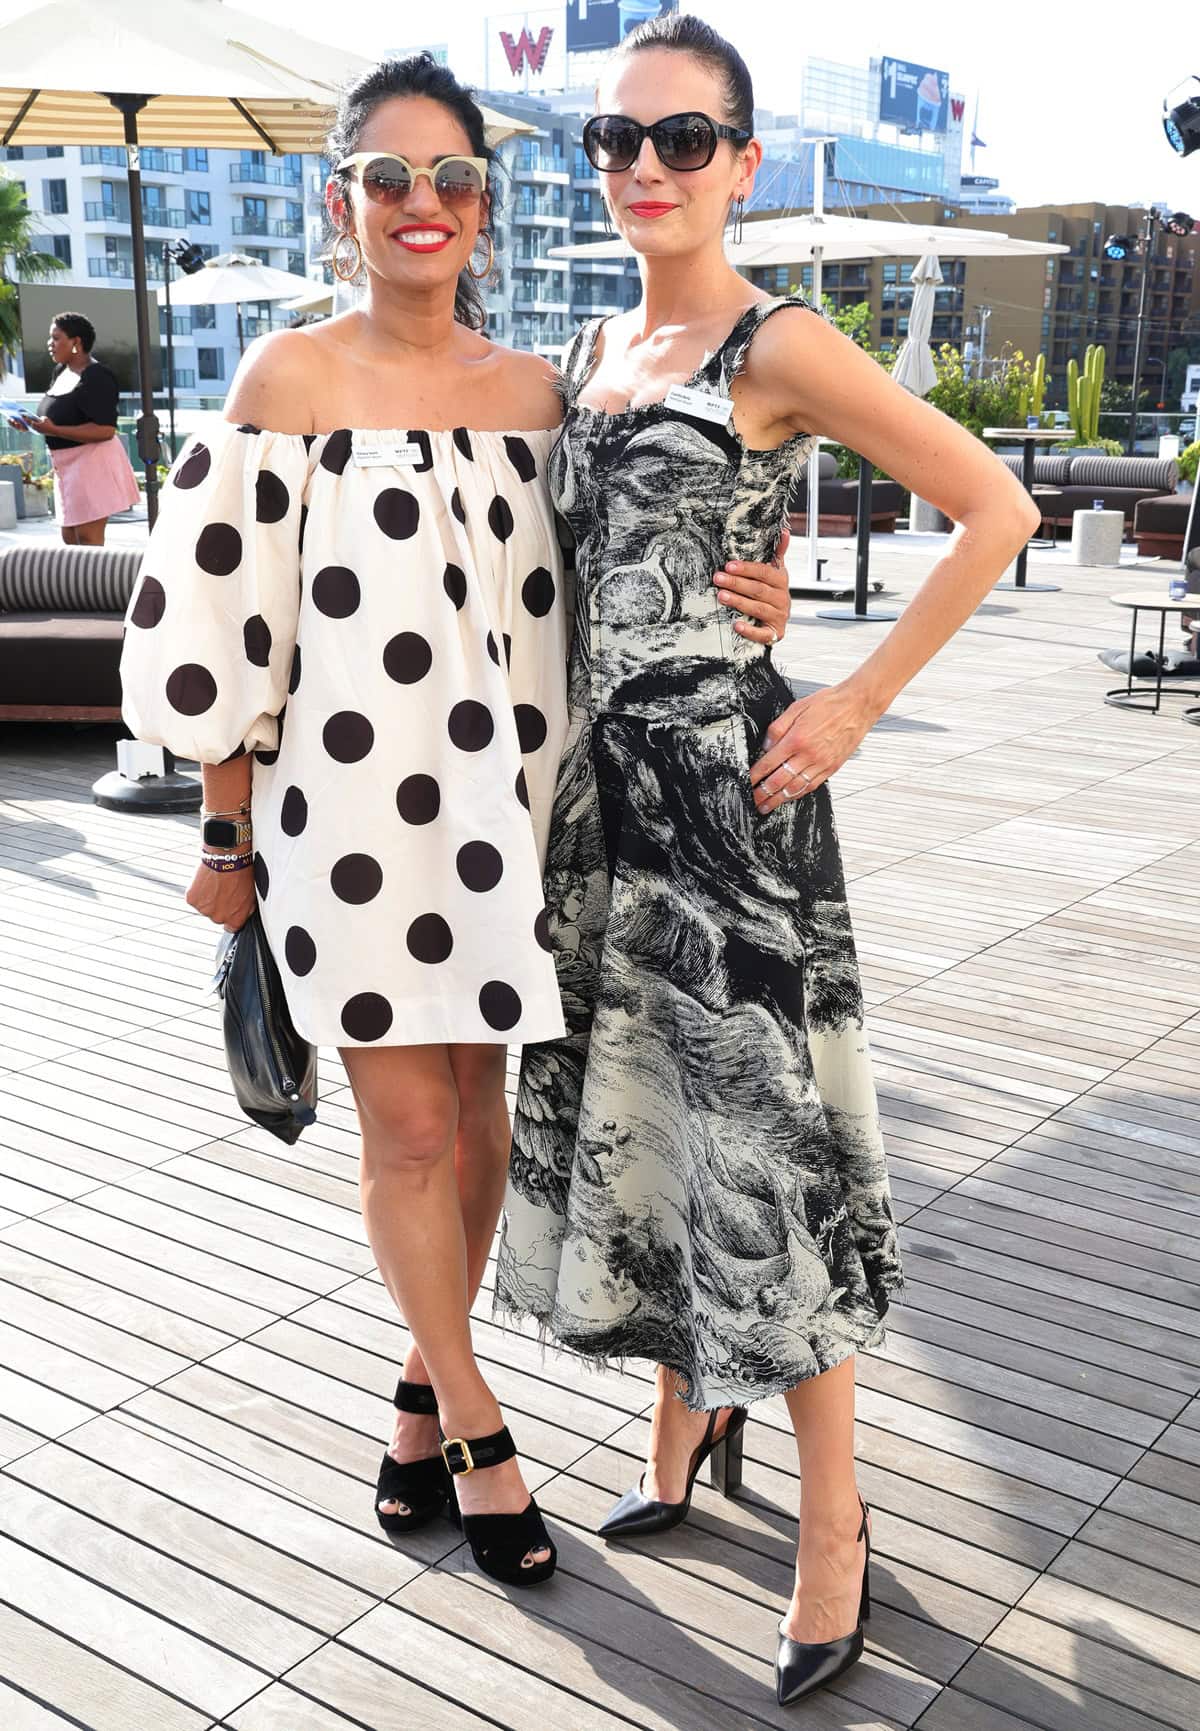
point(75, 325)
point(419, 75)
point(690, 35)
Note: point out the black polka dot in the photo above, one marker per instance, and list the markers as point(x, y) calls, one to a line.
point(299, 951)
point(462, 441)
point(407, 658)
point(521, 458)
point(271, 498)
point(266, 758)
point(397, 513)
point(191, 689)
point(238, 751)
point(194, 468)
point(531, 726)
point(150, 605)
point(356, 878)
point(336, 453)
point(522, 789)
point(425, 443)
point(500, 518)
point(507, 650)
point(294, 680)
point(310, 440)
point(430, 939)
point(418, 799)
point(293, 813)
point(492, 649)
point(454, 582)
point(479, 865)
point(366, 1016)
point(499, 1006)
point(335, 592)
point(219, 549)
point(256, 635)
point(537, 592)
point(262, 877)
point(303, 527)
point(348, 736)
point(471, 725)
point(456, 505)
point(541, 930)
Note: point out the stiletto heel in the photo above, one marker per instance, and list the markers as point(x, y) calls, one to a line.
point(423, 1485)
point(499, 1543)
point(803, 1667)
point(636, 1514)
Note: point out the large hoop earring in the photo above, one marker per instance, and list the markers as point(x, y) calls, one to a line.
point(488, 268)
point(339, 269)
point(739, 217)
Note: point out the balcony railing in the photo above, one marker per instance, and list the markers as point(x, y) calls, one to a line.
point(248, 173)
point(103, 156)
point(260, 327)
point(97, 211)
point(122, 266)
point(159, 216)
point(278, 227)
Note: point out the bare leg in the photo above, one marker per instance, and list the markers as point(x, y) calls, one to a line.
point(830, 1562)
point(91, 534)
point(675, 1434)
point(408, 1110)
point(70, 536)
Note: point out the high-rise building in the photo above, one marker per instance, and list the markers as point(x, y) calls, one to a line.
point(246, 201)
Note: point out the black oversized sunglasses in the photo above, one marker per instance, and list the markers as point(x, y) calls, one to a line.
point(684, 142)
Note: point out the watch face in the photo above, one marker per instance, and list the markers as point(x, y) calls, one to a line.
point(220, 832)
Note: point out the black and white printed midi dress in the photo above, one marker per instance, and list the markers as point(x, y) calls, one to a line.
point(379, 618)
point(697, 1171)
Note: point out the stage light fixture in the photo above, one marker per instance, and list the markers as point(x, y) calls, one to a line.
point(1181, 119)
point(1120, 246)
point(188, 256)
point(1179, 222)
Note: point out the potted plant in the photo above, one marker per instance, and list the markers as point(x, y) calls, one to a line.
point(1189, 461)
point(34, 489)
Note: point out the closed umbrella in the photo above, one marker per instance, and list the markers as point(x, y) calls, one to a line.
point(914, 368)
point(189, 72)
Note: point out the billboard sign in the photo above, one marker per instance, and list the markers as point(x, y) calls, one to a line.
point(914, 98)
point(593, 24)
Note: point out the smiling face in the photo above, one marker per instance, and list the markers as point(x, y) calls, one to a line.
point(659, 212)
point(419, 240)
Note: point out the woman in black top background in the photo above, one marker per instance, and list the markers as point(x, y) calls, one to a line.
point(93, 476)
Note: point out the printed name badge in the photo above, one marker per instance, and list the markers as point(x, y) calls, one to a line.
point(706, 407)
point(387, 454)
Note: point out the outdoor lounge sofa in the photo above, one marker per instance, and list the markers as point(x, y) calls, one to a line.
point(1120, 481)
point(61, 612)
point(837, 502)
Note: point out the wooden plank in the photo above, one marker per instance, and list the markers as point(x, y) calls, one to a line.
point(353, 1682)
point(992, 1682)
point(83, 1684)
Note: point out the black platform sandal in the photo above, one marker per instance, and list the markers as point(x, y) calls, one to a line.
point(499, 1543)
point(636, 1514)
point(424, 1485)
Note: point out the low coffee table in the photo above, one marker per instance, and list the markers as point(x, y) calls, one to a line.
point(1131, 696)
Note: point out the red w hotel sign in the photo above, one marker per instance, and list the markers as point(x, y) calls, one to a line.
point(526, 49)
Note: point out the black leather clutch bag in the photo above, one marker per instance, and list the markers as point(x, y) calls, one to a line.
point(272, 1067)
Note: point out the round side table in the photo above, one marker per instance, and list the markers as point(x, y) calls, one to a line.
point(1131, 696)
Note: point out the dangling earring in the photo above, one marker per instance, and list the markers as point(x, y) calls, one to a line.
point(739, 216)
point(339, 269)
point(488, 268)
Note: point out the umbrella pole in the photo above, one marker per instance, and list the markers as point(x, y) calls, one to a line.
point(860, 610)
point(147, 426)
point(166, 258)
point(241, 332)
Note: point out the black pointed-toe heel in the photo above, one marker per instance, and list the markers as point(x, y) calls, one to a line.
point(499, 1543)
point(636, 1514)
point(423, 1486)
point(803, 1667)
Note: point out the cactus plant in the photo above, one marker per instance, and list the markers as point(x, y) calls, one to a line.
point(1083, 395)
point(1033, 394)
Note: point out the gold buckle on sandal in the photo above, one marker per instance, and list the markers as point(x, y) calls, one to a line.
point(457, 1442)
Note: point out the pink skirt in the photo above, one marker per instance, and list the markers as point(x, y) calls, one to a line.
point(91, 482)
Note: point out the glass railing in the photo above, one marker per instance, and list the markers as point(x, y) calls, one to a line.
point(280, 227)
point(95, 211)
point(103, 155)
point(122, 266)
point(159, 216)
point(243, 173)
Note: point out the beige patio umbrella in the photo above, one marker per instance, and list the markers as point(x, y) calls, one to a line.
point(913, 367)
point(230, 280)
point(184, 72)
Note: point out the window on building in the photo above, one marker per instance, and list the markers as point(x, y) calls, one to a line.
point(16, 153)
point(295, 263)
point(1050, 267)
point(210, 363)
point(254, 158)
point(195, 161)
point(153, 197)
point(204, 318)
point(54, 197)
point(254, 215)
point(60, 246)
point(258, 253)
point(54, 150)
point(199, 206)
point(887, 327)
point(295, 213)
point(293, 167)
point(1047, 296)
point(890, 272)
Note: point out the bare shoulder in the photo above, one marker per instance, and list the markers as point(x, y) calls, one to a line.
point(532, 386)
point(277, 379)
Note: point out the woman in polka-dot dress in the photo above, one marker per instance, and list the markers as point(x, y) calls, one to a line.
point(368, 630)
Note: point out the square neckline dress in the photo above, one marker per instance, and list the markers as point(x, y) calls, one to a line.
point(697, 1173)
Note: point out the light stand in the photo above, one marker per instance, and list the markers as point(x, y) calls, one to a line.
point(189, 259)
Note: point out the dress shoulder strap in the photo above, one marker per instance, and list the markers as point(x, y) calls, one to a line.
point(725, 363)
point(577, 359)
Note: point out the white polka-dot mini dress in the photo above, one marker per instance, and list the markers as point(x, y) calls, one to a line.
point(380, 619)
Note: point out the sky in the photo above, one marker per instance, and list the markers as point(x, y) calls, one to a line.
point(1070, 107)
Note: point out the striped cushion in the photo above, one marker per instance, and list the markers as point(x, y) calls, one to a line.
point(1048, 470)
point(67, 579)
point(1157, 473)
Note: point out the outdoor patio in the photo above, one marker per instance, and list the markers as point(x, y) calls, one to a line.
point(198, 1355)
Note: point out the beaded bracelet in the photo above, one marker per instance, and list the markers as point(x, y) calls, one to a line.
point(228, 862)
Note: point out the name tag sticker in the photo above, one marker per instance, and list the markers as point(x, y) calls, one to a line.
point(706, 407)
point(386, 454)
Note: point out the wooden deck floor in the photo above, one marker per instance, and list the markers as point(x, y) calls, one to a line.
point(196, 1353)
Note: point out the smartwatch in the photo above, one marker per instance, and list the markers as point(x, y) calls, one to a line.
point(226, 831)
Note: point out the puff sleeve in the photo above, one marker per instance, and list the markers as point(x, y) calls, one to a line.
point(211, 625)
